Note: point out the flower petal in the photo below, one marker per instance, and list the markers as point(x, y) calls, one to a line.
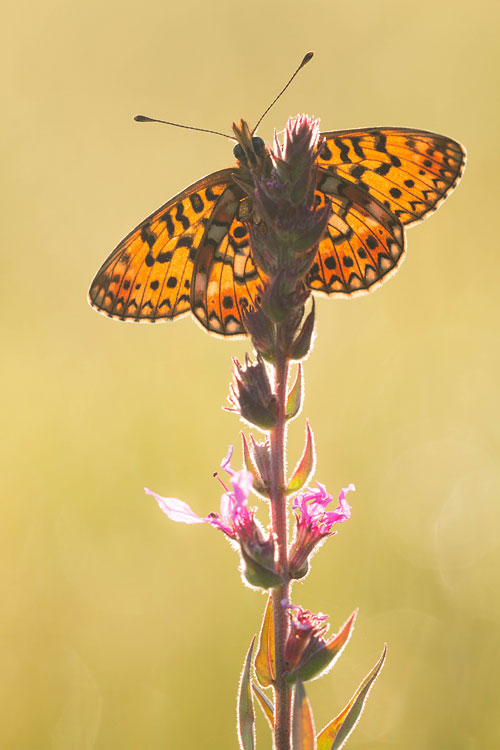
point(176, 510)
point(226, 461)
point(343, 509)
point(242, 482)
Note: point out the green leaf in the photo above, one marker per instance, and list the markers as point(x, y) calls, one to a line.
point(325, 656)
point(265, 704)
point(335, 734)
point(246, 716)
point(305, 467)
point(302, 721)
point(265, 664)
point(294, 398)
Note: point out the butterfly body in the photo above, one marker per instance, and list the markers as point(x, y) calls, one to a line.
point(193, 254)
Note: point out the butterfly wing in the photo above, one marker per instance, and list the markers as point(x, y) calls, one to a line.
point(364, 241)
point(226, 279)
point(193, 253)
point(149, 276)
point(410, 172)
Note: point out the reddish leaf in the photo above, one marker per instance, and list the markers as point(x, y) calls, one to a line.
point(264, 664)
point(305, 467)
point(294, 398)
point(246, 716)
point(335, 734)
point(324, 658)
point(302, 721)
point(265, 704)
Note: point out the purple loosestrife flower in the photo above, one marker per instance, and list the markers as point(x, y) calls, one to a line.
point(237, 521)
point(314, 523)
point(305, 636)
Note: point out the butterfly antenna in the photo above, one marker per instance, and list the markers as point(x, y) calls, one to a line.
point(143, 118)
point(304, 62)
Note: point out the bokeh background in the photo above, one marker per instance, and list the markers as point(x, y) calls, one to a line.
point(118, 628)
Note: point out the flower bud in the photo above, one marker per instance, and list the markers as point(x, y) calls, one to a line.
point(261, 453)
point(307, 653)
point(262, 331)
point(305, 636)
point(258, 561)
point(251, 395)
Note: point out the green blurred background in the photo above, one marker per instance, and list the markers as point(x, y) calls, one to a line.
point(118, 628)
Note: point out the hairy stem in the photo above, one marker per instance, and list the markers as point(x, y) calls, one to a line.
point(282, 696)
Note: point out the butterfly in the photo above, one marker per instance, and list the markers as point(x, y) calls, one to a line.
point(193, 255)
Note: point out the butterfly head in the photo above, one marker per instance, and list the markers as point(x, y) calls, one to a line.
point(250, 151)
point(258, 146)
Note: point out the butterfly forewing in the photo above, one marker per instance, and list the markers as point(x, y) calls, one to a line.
point(409, 171)
point(149, 275)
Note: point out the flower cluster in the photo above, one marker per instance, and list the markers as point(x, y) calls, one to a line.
point(237, 520)
point(292, 225)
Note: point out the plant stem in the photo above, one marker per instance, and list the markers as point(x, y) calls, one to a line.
point(282, 695)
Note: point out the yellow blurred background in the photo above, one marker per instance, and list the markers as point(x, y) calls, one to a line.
point(120, 629)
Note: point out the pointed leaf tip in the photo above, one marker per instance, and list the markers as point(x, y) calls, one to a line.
point(265, 704)
point(246, 715)
point(302, 720)
point(335, 734)
point(305, 467)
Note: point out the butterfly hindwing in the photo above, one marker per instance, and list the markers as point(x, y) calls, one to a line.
point(226, 279)
point(363, 243)
point(409, 171)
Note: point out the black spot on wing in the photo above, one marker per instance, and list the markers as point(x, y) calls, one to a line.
point(196, 202)
point(148, 236)
point(179, 215)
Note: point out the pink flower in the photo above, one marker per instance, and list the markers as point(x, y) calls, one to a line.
point(234, 516)
point(311, 505)
point(237, 521)
point(314, 523)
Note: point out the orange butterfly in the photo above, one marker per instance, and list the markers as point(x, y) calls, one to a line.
point(193, 253)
